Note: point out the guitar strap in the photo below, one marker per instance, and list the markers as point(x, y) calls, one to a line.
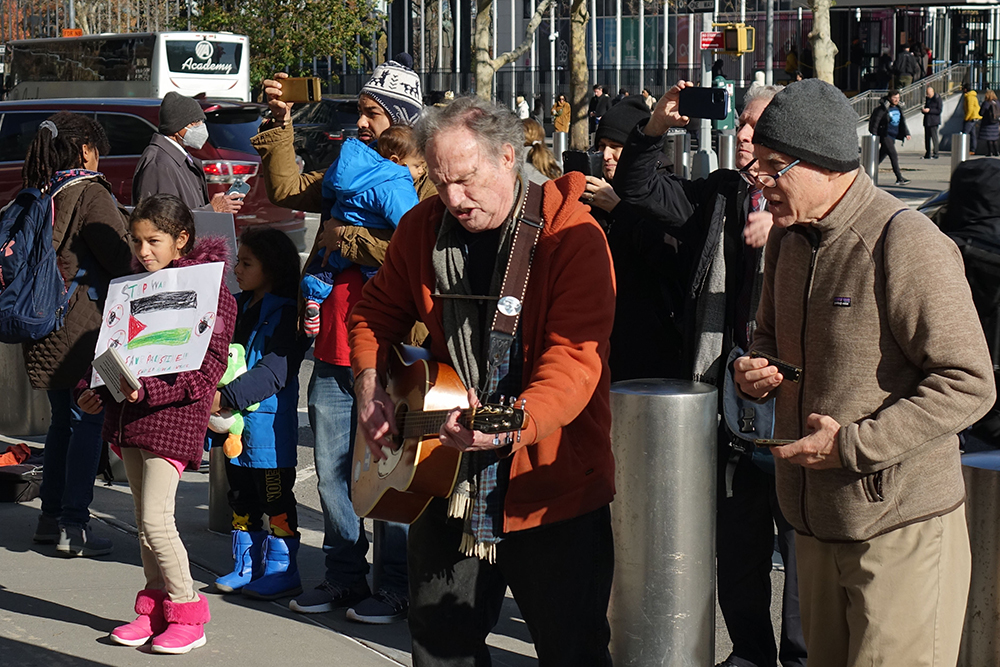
point(528, 225)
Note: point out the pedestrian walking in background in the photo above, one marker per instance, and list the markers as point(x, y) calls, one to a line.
point(539, 162)
point(870, 299)
point(888, 124)
point(599, 105)
point(970, 101)
point(262, 475)
point(160, 428)
point(622, 94)
point(906, 68)
point(648, 99)
point(932, 120)
point(88, 233)
point(521, 109)
point(562, 114)
point(989, 126)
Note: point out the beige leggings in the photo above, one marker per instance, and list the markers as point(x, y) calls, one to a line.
point(153, 481)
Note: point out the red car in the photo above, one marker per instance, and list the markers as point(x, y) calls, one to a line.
point(130, 123)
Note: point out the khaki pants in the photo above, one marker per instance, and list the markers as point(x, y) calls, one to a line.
point(897, 599)
point(153, 481)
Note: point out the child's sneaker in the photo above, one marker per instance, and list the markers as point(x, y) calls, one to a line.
point(311, 323)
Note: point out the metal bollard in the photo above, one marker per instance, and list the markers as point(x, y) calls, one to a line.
point(663, 598)
point(982, 509)
point(682, 154)
point(560, 144)
point(869, 156)
point(220, 515)
point(23, 411)
point(959, 149)
point(727, 151)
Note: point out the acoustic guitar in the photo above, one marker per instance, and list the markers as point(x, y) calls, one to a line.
point(419, 468)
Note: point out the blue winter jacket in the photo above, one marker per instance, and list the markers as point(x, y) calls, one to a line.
point(274, 353)
point(363, 188)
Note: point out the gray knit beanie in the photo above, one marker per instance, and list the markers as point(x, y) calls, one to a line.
point(177, 112)
point(811, 120)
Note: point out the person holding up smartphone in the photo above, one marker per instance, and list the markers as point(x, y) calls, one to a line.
point(723, 222)
point(167, 167)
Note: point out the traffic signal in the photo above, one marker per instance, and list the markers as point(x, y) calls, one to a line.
point(738, 38)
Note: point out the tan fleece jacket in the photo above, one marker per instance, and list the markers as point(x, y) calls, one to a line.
point(885, 329)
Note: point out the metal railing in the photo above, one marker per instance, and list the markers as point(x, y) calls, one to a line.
point(945, 83)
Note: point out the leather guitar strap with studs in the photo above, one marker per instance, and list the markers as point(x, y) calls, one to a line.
point(527, 228)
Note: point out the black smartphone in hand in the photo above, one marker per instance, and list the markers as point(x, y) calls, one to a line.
point(712, 103)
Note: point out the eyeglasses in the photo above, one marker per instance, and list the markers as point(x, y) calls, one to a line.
point(746, 176)
point(769, 181)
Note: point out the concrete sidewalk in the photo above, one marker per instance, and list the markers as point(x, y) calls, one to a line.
point(58, 611)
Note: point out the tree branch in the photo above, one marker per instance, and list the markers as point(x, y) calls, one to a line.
point(529, 36)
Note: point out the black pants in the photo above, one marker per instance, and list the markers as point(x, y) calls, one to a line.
point(560, 575)
point(254, 492)
point(931, 141)
point(744, 542)
point(887, 146)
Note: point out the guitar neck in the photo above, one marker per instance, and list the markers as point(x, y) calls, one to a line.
point(428, 422)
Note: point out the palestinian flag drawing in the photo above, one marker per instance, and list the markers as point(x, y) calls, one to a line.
point(166, 318)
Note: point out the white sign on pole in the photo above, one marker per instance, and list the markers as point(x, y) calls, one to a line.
point(161, 322)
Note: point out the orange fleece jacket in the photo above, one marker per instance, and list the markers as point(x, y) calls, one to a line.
point(563, 467)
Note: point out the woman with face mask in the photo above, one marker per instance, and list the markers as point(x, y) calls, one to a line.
point(166, 166)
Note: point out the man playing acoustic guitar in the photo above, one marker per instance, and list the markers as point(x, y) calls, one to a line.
point(530, 510)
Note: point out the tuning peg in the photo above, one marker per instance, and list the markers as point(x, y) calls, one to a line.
point(502, 397)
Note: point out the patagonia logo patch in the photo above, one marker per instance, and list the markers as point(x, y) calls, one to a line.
point(842, 301)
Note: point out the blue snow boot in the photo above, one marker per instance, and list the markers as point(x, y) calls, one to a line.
point(248, 550)
point(281, 572)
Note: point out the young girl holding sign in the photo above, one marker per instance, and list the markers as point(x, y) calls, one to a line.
point(160, 428)
point(261, 477)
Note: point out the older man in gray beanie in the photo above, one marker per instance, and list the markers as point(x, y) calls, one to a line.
point(893, 363)
point(167, 167)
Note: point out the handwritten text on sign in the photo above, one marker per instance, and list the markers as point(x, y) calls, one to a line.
point(161, 322)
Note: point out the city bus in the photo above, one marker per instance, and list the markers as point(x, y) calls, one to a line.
point(130, 65)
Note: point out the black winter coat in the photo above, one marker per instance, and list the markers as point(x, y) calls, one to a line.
point(162, 169)
point(697, 213)
point(934, 105)
point(878, 124)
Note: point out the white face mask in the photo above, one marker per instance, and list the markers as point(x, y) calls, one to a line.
point(196, 136)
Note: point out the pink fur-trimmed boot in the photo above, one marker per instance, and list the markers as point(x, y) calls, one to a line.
point(185, 629)
point(149, 606)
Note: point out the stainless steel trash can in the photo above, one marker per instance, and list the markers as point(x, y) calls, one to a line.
point(23, 410)
point(981, 637)
point(664, 435)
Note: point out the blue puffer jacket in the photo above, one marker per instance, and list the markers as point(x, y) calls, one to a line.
point(270, 435)
point(363, 188)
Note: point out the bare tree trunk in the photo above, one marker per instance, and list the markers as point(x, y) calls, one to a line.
point(579, 131)
point(823, 48)
point(482, 40)
point(482, 43)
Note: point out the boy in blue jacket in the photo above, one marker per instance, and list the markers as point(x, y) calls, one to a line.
point(262, 476)
point(366, 187)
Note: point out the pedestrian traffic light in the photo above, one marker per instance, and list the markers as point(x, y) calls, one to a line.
point(737, 38)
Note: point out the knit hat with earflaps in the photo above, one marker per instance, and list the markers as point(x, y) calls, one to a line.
point(396, 87)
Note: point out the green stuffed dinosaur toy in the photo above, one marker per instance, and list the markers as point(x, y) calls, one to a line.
point(231, 421)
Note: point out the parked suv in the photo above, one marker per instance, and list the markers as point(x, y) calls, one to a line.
point(321, 128)
point(129, 124)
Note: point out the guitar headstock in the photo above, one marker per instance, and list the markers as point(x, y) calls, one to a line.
point(496, 418)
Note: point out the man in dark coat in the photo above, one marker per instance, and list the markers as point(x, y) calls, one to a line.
point(932, 120)
point(599, 105)
point(166, 167)
point(722, 223)
point(906, 67)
